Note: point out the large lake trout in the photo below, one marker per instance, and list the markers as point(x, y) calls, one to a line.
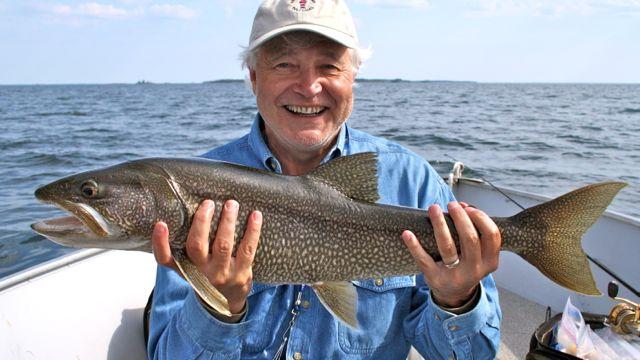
point(321, 229)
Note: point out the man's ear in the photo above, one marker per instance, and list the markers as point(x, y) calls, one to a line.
point(252, 77)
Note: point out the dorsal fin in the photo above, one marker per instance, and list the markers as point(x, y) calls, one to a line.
point(356, 176)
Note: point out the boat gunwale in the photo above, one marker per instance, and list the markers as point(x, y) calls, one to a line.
point(47, 267)
point(628, 219)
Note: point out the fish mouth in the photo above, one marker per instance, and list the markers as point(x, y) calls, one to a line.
point(84, 222)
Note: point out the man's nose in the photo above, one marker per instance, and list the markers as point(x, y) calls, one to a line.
point(308, 84)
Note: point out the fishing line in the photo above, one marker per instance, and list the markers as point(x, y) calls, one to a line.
point(594, 261)
point(490, 184)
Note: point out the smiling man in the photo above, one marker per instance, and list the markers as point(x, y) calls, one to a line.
point(304, 88)
point(303, 57)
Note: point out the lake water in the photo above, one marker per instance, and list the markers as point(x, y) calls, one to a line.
point(542, 138)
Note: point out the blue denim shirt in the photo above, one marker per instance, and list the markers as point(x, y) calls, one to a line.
point(393, 313)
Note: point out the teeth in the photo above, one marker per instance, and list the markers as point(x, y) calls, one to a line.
point(305, 110)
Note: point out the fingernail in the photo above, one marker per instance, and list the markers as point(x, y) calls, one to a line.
point(208, 204)
point(257, 216)
point(231, 205)
point(453, 205)
point(159, 229)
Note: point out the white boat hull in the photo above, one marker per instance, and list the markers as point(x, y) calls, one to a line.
point(88, 309)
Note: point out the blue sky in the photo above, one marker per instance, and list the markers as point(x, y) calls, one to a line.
point(107, 41)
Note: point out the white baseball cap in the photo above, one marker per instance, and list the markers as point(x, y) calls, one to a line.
point(330, 18)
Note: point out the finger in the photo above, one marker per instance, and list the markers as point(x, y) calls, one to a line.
point(160, 245)
point(466, 205)
point(467, 234)
point(490, 235)
point(249, 245)
point(223, 244)
point(198, 238)
point(446, 246)
point(425, 262)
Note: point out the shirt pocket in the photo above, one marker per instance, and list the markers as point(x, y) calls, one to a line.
point(261, 317)
point(383, 304)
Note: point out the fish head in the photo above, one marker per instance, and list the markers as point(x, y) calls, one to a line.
point(111, 208)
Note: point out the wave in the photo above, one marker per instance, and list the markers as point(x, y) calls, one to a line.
point(33, 239)
point(159, 116)
point(62, 113)
point(630, 111)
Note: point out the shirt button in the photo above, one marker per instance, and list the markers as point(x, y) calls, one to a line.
point(453, 327)
point(379, 282)
point(297, 356)
point(306, 304)
point(437, 316)
point(272, 164)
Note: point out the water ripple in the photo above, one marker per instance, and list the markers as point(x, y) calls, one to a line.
point(66, 113)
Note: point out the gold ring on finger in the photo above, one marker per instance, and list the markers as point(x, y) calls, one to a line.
point(453, 264)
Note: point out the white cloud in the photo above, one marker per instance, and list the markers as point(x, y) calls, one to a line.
point(134, 2)
point(127, 9)
point(553, 8)
point(172, 11)
point(90, 10)
point(412, 4)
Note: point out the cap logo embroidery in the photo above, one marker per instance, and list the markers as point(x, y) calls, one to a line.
point(302, 5)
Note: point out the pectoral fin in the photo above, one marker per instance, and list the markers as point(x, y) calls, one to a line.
point(340, 299)
point(201, 284)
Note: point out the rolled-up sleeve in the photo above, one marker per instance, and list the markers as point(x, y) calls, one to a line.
point(438, 334)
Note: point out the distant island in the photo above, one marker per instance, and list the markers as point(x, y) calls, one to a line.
point(362, 80)
point(223, 81)
point(417, 81)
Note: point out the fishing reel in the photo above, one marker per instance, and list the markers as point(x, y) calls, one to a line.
point(625, 317)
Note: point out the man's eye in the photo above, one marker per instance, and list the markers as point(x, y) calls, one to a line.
point(330, 67)
point(283, 65)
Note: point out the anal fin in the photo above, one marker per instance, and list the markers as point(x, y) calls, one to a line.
point(201, 284)
point(340, 299)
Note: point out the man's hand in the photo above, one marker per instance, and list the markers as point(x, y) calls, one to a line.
point(479, 253)
point(232, 276)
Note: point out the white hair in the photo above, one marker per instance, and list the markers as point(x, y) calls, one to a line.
point(298, 40)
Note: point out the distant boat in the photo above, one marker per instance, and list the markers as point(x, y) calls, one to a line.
point(143, 82)
point(100, 295)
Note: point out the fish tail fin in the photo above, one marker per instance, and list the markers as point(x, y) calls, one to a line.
point(548, 235)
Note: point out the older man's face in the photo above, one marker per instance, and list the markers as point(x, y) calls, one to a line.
point(304, 95)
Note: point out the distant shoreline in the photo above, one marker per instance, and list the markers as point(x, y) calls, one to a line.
point(362, 81)
point(358, 80)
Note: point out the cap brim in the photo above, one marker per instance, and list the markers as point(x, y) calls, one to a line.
point(332, 34)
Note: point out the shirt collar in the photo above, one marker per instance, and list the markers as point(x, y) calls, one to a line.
point(269, 161)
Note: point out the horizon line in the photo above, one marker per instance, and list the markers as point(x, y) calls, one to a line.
point(230, 80)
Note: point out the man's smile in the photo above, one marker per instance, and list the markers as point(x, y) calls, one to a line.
point(305, 110)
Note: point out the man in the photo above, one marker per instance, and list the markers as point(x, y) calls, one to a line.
point(302, 59)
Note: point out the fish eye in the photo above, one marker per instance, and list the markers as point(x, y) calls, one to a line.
point(89, 189)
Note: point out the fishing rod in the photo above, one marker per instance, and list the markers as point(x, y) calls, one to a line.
point(594, 261)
